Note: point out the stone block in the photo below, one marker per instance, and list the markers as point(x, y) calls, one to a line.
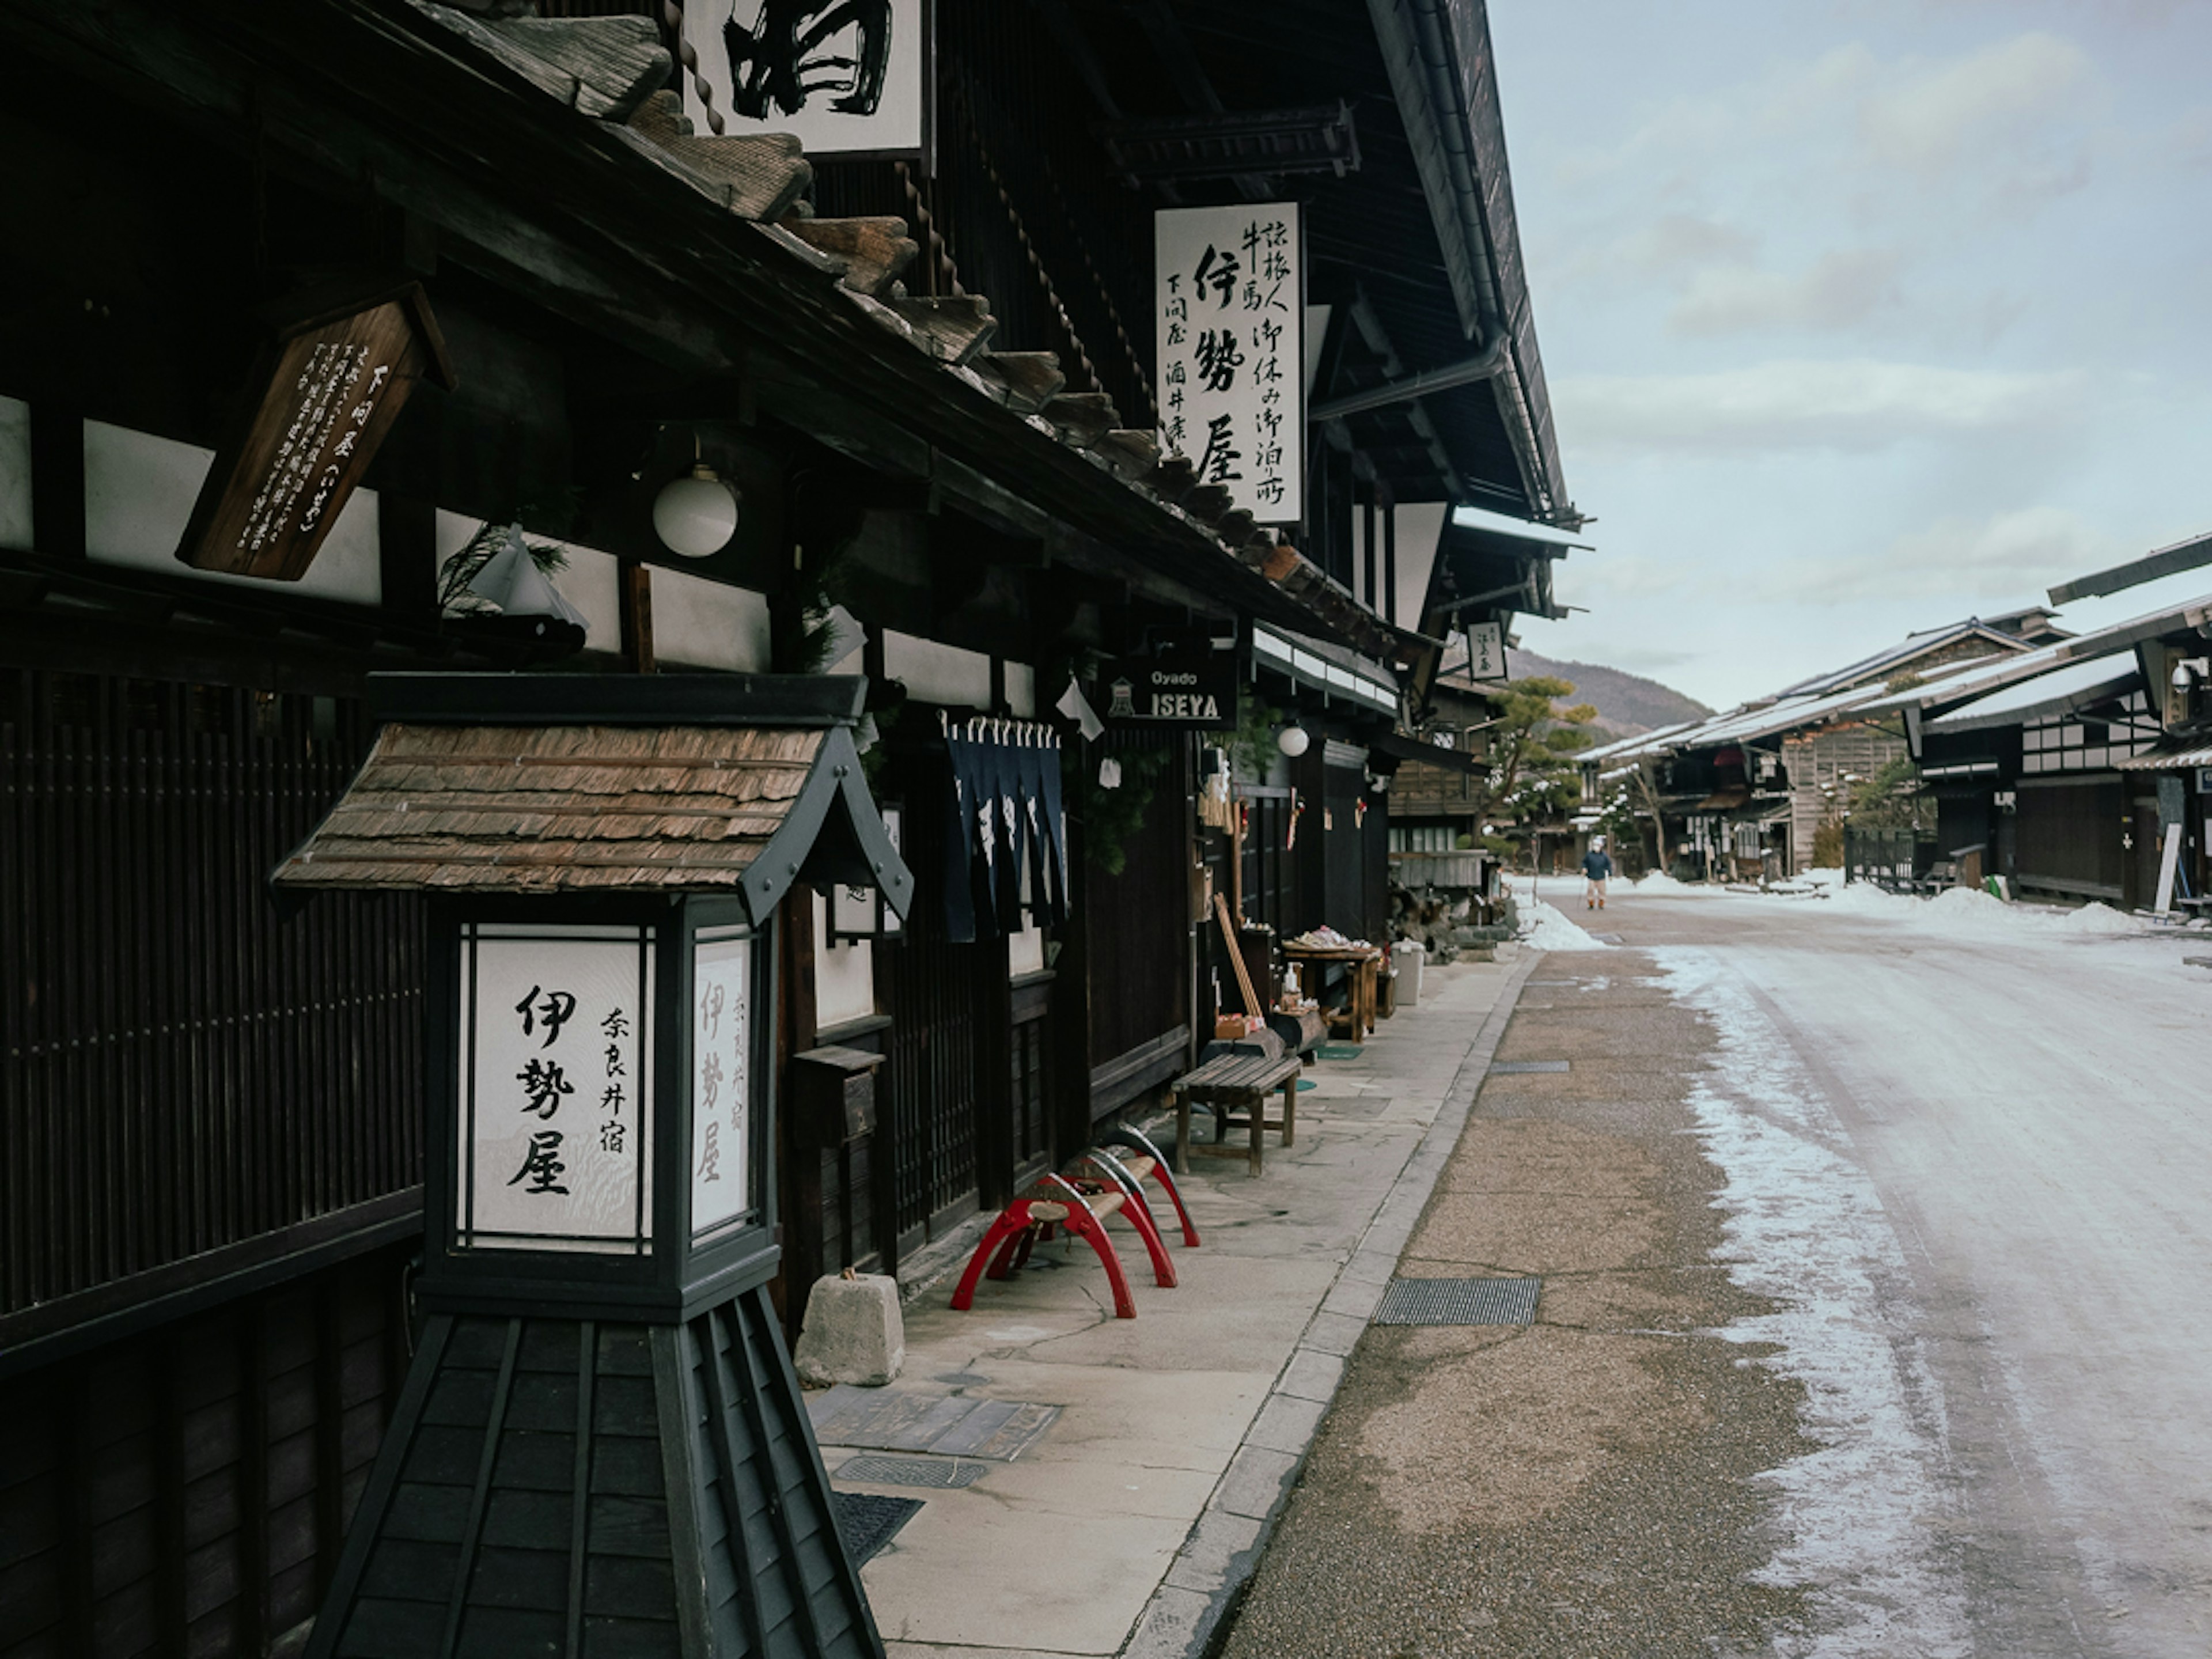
point(854, 1332)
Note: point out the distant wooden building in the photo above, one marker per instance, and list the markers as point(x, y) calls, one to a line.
point(924, 383)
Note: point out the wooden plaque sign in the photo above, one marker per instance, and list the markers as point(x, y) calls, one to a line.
point(325, 393)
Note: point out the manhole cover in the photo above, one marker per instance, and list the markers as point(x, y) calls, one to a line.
point(950, 1425)
point(944, 1473)
point(1517, 1067)
point(869, 1521)
point(1459, 1302)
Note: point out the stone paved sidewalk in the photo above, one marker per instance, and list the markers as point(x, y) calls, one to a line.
point(1129, 1526)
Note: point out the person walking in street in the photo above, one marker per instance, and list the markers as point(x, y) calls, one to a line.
point(1597, 869)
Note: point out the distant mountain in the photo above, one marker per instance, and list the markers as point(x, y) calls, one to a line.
point(1626, 703)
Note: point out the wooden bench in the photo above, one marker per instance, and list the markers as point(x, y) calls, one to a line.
point(1236, 1082)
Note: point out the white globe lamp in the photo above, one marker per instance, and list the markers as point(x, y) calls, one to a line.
point(697, 515)
point(1293, 740)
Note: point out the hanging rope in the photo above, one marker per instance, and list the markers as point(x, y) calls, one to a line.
point(944, 272)
point(673, 14)
point(1021, 232)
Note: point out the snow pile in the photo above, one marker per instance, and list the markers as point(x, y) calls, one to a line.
point(1660, 884)
point(1974, 913)
point(2094, 918)
point(1864, 899)
point(1967, 904)
point(1824, 877)
point(1553, 932)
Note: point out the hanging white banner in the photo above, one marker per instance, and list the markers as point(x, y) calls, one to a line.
point(1230, 311)
point(845, 78)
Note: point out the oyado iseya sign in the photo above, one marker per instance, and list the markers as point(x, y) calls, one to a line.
point(1194, 690)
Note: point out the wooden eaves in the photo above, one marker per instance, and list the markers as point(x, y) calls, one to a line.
point(636, 230)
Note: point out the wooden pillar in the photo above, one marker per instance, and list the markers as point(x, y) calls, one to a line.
point(994, 1075)
point(1071, 1006)
point(634, 581)
point(798, 1171)
point(1368, 547)
point(407, 554)
point(56, 481)
point(1389, 605)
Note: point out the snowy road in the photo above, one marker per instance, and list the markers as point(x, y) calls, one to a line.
point(1973, 1152)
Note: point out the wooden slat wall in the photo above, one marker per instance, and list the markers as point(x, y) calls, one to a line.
point(187, 1492)
point(928, 1092)
point(179, 1068)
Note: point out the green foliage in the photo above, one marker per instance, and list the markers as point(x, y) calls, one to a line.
point(1110, 817)
point(1828, 844)
point(1891, 799)
point(1534, 749)
point(1252, 745)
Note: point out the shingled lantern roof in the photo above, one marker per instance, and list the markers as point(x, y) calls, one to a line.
point(498, 783)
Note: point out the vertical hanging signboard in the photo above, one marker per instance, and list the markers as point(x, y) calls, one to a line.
point(1230, 305)
point(325, 394)
point(1486, 651)
point(850, 78)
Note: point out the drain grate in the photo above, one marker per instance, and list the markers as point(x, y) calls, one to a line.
point(869, 1521)
point(943, 1473)
point(1519, 1068)
point(1459, 1302)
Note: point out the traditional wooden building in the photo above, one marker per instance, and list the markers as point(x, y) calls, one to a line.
point(917, 388)
point(1745, 793)
point(2068, 771)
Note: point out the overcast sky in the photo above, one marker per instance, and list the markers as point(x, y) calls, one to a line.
point(1860, 316)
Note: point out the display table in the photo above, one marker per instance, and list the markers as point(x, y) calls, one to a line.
point(1361, 964)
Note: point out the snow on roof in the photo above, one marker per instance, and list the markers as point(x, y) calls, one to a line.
point(2059, 690)
point(1989, 675)
point(1877, 667)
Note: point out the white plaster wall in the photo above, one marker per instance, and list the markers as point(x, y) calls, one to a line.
point(1419, 526)
point(938, 673)
point(697, 623)
point(1021, 689)
point(15, 474)
point(1025, 952)
point(844, 975)
point(138, 495)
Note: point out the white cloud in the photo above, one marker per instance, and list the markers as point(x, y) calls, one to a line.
point(1838, 291)
point(1676, 239)
point(1933, 116)
point(2009, 556)
point(1794, 404)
